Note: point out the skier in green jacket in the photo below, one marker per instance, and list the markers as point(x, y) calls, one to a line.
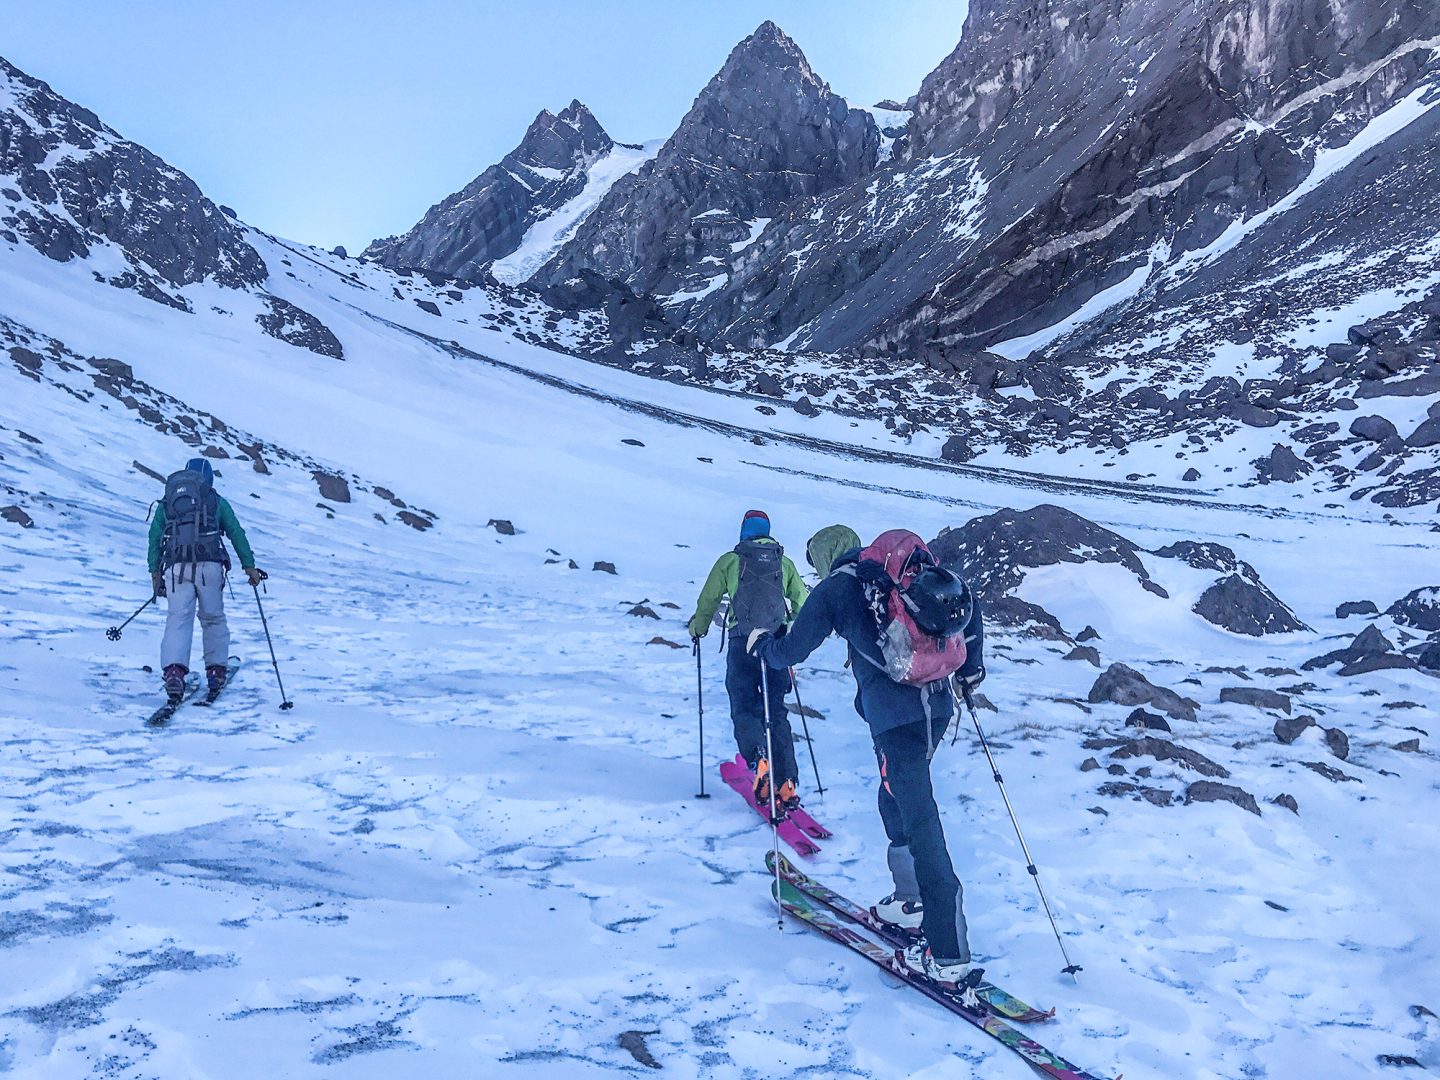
point(188, 563)
point(766, 593)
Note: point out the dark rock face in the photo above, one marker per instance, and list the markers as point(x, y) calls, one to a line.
point(296, 326)
point(766, 133)
point(1165, 750)
point(1420, 609)
point(1125, 686)
point(1256, 697)
point(1356, 607)
point(486, 220)
point(81, 185)
point(1209, 113)
point(1373, 428)
point(1246, 607)
point(17, 516)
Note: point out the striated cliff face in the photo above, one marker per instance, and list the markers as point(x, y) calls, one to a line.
point(765, 134)
point(489, 219)
point(1069, 148)
point(69, 184)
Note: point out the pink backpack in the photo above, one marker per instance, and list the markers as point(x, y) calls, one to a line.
point(911, 656)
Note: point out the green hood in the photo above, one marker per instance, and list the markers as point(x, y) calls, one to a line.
point(828, 545)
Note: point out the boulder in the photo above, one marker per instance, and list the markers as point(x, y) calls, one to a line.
point(17, 516)
point(1149, 721)
point(1164, 750)
point(1288, 802)
point(1419, 609)
point(956, 449)
point(333, 487)
point(1088, 653)
point(1281, 466)
point(1338, 742)
point(1246, 607)
point(1290, 728)
point(1427, 434)
point(1256, 697)
point(1356, 607)
point(1124, 685)
point(1210, 791)
point(1372, 428)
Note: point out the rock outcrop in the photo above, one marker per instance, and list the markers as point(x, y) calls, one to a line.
point(766, 134)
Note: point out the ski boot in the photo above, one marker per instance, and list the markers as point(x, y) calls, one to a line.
point(762, 783)
point(215, 677)
point(175, 682)
point(905, 915)
point(955, 977)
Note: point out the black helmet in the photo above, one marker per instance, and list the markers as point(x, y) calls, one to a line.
point(940, 602)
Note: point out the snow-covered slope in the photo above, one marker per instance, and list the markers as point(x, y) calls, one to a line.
point(549, 233)
point(472, 847)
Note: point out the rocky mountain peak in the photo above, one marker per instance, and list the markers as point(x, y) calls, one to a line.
point(764, 132)
point(558, 142)
point(768, 47)
point(72, 184)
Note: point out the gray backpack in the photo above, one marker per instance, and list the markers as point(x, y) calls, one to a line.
point(759, 600)
point(192, 520)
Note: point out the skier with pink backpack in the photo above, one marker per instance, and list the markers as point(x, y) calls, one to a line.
point(914, 630)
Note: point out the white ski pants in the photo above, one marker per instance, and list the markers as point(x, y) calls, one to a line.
point(190, 587)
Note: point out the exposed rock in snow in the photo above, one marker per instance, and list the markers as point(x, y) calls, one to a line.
point(1125, 686)
point(292, 324)
point(1210, 791)
point(1256, 696)
point(1243, 606)
point(82, 186)
point(1419, 609)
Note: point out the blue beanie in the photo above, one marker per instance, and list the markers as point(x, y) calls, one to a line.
point(202, 466)
point(756, 523)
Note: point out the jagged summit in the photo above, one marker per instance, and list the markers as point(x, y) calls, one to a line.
point(559, 170)
point(764, 132)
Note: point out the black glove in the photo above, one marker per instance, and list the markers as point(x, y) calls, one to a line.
point(157, 582)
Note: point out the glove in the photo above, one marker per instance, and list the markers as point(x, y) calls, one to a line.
point(698, 629)
point(157, 582)
point(255, 575)
point(759, 637)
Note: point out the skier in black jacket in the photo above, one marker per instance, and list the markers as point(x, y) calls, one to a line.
point(907, 724)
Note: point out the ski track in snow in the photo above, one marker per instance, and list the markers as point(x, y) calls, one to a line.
point(473, 847)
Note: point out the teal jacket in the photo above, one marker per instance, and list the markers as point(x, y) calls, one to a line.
point(229, 525)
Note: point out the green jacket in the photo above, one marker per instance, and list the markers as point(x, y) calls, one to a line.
point(829, 544)
point(724, 579)
point(229, 525)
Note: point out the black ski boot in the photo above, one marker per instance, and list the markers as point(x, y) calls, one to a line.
point(175, 682)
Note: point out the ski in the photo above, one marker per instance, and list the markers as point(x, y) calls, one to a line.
point(161, 716)
point(738, 776)
point(211, 696)
point(801, 906)
point(998, 1001)
point(800, 816)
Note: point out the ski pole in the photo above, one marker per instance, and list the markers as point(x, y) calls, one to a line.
point(114, 632)
point(774, 817)
point(285, 702)
point(805, 727)
point(700, 704)
point(1070, 967)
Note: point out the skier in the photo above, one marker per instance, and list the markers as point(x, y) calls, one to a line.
point(902, 616)
point(827, 545)
point(765, 592)
point(188, 564)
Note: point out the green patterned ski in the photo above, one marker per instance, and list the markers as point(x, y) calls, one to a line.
point(802, 907)
point(998, 1001)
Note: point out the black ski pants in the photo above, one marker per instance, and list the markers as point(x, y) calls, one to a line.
point(918, 856)
point(747, 711)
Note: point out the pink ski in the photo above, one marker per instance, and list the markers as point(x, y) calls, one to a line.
point(795, 826)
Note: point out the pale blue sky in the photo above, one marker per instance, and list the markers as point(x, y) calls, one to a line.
point(336, 121)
